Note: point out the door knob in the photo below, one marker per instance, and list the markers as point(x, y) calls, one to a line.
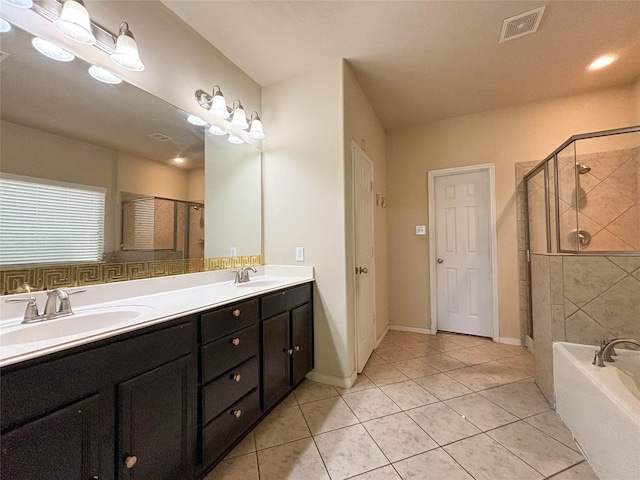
point(440, 260)
point(130, 461)
point(363, 270)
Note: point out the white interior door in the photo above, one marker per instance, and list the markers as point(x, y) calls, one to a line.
point(463, 266)
point(365, 303)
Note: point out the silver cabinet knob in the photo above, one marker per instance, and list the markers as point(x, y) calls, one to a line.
point(237, 413)
point(130, 461)
point(440, 260)
point(297, 348)
point(236, 341)
point(236, 377)
point(236, 313)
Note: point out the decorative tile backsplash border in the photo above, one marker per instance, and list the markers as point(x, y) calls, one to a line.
point(22, 280)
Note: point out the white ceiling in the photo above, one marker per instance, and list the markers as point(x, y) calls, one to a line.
point(421, 61)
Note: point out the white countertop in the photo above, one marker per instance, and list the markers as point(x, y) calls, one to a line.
point(103, 311)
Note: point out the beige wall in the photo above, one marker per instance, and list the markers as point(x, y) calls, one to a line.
point(503, 137)
point(363, 127)
point(637, 101)
point(195, 180)
point(304, 204)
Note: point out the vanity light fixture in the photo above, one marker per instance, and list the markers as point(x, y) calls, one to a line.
point(19, 3)
point(603, 61)
point(215, 130)
point(4, 26)
point(197, 121)
point(239, 119)
point(74, 22)
point(103, 75)
point(218, 106)
point(51, 50)
point(126, 54)
point(256, 127)
point(235, 140)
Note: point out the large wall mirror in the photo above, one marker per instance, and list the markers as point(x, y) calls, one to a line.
point(61, 125)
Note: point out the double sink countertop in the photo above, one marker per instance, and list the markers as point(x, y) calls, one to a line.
point(103, 311)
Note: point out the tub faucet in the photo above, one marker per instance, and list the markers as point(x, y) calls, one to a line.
point(606, 350)
point(242, 275)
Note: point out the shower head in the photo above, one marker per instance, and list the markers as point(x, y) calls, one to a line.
point(582, 168)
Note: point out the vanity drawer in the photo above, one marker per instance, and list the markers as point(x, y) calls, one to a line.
point(223, 354)
point(228, 388)
point(230, 318)
point(285, 300)
point(226, 428)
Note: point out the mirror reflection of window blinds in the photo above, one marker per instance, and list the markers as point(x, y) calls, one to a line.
point(143, 224)
point(44, 221)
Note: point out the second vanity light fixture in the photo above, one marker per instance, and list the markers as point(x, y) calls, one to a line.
point(217, 107)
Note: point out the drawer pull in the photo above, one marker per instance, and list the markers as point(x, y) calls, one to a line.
point(236, 377)
point(297, 347)
point(237, 413)
point(236, 341)
point(236, 313)
point(130, 461)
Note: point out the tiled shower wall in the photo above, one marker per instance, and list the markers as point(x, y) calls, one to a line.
point(581, 299)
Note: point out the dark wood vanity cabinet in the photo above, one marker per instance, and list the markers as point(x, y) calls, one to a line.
point(287, 341)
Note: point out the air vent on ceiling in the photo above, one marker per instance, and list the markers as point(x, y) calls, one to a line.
point(521, 25)
point(160, 137)
point(3, 56)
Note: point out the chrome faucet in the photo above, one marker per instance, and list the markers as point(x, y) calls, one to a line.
point(242, 275)
point(607, 350)
point(51, 308)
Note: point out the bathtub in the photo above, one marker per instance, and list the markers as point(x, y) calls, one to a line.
point(601, 407)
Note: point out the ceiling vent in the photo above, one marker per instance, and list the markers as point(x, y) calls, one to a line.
point(521, 25)
point(160, 137)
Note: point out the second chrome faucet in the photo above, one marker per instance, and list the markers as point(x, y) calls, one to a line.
point(242, 275)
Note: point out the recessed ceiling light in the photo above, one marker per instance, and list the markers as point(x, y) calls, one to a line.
point(4, 25)
point(602, 61)
point(193, 120)
point(178, 160)
point(103, 75)
point(52, 50)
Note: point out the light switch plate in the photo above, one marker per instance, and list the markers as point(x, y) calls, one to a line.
point(233, 252)
point(421, 230)
point(299, 254)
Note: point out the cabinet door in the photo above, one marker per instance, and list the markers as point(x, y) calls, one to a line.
point(302, 342)
point(63, 444)
point(275, 359)
point(155, 423)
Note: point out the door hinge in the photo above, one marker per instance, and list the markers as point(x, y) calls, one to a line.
point(528, 256)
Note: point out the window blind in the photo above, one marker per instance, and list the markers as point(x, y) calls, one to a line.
point(43, 221)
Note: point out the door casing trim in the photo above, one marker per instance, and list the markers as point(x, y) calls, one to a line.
point(489, 169)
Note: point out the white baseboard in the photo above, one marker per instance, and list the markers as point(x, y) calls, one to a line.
point(381, 337)
point(510, 341)
point(402, 328)
point(528, 341)
point(343, 382)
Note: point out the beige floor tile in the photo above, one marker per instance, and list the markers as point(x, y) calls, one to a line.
point(501, 373)
point(361, 383)
point(281, 426)
point(309, 391)
point(374, 359)
point(289, 401)
point(299, 460)
point(443, 362)
point(529, 387)
point(550, 423)
point(399, 437)
point(524, 363)
point(582, 471)
point(513, 349)
point(442, 423)
point(414, 368)
point(492, 351)
point(469, 340)
point(408, 394)
point(515, 401)
point(537, 449)
point(486, 459)
point(481, 412)
point(419, 349)
point(349, 451)
point(328, 414)
point(244, 467)
point(444, 345)
point(384, 473)
point(369, 404)
point(384, 374)
point(247, 445)
point(386, 343)
point(433, 465)
point(473, 379)
point(469, 357)
point(395, 354)
point(442, 386)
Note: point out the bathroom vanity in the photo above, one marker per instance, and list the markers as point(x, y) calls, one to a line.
point(166, 401)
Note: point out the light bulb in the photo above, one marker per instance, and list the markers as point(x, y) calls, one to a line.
point(215, 130)
point(19, 3)
point(256, 129)
point(4, 26)
point(239, 119)
point(74, 22)
point(126, 53)
point(193, 120)
point(603, 61)
point(219, 106)
point(235, 140)
point(52, 50)
point(103, 75)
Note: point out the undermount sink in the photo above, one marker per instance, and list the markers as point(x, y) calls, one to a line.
point(257, 284)
point(81, 322)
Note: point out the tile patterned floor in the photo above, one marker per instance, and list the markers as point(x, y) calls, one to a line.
point(452, 407)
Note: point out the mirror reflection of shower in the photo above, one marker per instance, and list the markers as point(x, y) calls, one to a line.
point(582, 168)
